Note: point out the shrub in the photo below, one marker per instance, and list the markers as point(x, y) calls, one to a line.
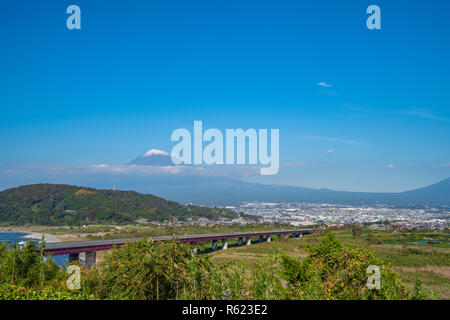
point(23, 267)
point(13, 292)
point(145, 270)
point(336, 271)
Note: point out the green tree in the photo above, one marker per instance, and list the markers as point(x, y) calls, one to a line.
point(22, 266)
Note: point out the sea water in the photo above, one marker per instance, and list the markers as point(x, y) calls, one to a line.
point(15, 237)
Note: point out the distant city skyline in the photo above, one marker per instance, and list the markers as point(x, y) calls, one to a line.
point(356, 109)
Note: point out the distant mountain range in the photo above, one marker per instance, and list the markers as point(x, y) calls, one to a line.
point(56, 204)
point(228, 191)
point(221, 191)
point(154, 173)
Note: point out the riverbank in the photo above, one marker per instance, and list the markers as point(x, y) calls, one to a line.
point(47, 237)
point(33, 235)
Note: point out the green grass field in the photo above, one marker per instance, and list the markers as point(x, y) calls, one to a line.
point(429, 263)
point(419, 254)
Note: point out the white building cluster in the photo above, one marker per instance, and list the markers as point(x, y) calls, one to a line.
point(300, 213)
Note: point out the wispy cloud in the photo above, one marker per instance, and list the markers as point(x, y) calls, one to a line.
point(324, 84)
point(61, 170)
point(334, 139)
point(329, 152)
point(421, 113)
point(414, 112)
point(390, 166)
point(295, 164)
point(444, 165)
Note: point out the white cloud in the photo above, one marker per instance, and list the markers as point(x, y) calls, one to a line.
point(422, 113)
point(329, 152)
point(101, 165)
point(324, 84)
point(65, 170)
point(390, 166)
point(444, 165)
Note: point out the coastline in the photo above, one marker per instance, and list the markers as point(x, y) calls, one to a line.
point(38, 236)
point(33, 235)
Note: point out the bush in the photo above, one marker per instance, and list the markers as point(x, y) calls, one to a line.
point(170, 270)
point(145, 270)
point(23, 267)
point(335, 271)
point(13, 292)
point(235, 282)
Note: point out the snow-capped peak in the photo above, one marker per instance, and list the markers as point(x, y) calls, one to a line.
point(152, 152)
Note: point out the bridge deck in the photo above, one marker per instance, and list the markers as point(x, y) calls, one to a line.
point(70, 247)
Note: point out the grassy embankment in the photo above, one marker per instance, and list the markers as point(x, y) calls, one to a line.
point(409, 256)
point(430, 263)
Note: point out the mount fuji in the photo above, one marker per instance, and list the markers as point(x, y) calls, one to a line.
point(153, 157)
point(218, 190)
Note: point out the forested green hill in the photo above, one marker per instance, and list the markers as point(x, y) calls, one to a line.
point(56, 204)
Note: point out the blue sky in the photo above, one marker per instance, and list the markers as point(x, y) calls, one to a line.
point(137, 70)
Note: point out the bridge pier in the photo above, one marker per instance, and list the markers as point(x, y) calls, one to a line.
point(268, 238)
point(74, 257)
point(224, 244)
point(91, 258)
point(261, 238)
point(214, 245)
point(248, 241)
point(240, 241)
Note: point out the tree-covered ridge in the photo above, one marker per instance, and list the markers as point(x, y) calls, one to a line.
point(56, 204)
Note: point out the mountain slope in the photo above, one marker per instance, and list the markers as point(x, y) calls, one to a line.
point(222, 191)
point(153, 157)
point(228, 191)
point(55, 204)
point(437, 193)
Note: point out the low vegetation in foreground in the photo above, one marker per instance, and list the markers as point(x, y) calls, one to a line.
point(332, 269)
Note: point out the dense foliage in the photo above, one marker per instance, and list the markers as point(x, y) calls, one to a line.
point(23, 267)
point(333, 270)
point(52, 204)
point(13, 292)
point(172, 270)
point(24, 275)
point(143, 270)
